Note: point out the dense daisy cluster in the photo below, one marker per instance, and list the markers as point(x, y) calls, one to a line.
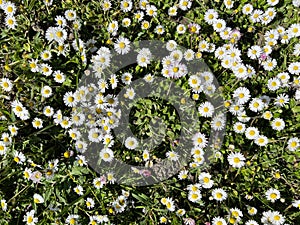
point(50, 117)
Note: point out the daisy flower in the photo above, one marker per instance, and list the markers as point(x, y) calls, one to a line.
point(219, 194)
point(181, 29)
point(122, 45)
point(274, 84)
point(194, 196)
point(3, 204)
point(281, 100)
point(19, 157)
point(37, 123)
point(242, 95)
point(293, 144)
point(9, 8)
point(60, 21)
point(60, 34)
point(170, 204)
point(261, 140)
point(296, 204)
point(6, 84)
point(29, 218)
point(72, 219)
point(99, 182)
point(3, 148)
point(45, 69)
point(219, 25)
point(205, 180)
point(183, 174)
point(46, 55)
point(126, 5)
point(272, 195)
point(70, 15)
point(228, 3)
point(218, 221)
point(185, 4)
point(199, 140)
point(131, 143)
point(38, 199)
point(210, 16)
point(10, 22)
point(78, 190)
point(256, 105)
point(251, 133)
point(256, 15)
point(46, 91)
point(69, 99)
point(126, 22)
point(172, 155)
point(236, 160)
point(294, 68)
point(90, 203)
point(194, 28)
point(278, 124)
point(206, 109)
point(218, 122)
point(113, 27)
point(239, 127)
point(107, 154)
point(59, 77)
point(247, 9)
point(151, 10)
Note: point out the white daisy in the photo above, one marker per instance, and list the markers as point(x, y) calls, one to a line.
point(46, 91)
point(6, 84)
point(251, 133)
point(278, 124)
point(70, 15)
point(131, 143)
point(272, 194)
point(122, 45)
point(293, 144)
point(219, 194)
point(236, 160)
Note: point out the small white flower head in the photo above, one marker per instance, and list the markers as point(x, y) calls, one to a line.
point(293, 144)
point(239, 127)
point(251, 133)
point(205, 180)
point(294, 68)
point(131, 143)
point(90, 203)
point(272, 195)
point(29, 218)
point(3, 204)
point(261, 140)
point(48, 111)
point(46, 91)
point(199, 140)
point(6, 84)
point(70, 15)
point(107, 155)
point(38, 199)
point(37, 123)
point(172, 155)
point(256, 105)
point(219, 194)
point(206, 109)
point(236, 160)
point(278, 124)
point(19, 157)
point(122, 46)
point(218, 221)
point(194, 196)
point(78, 190)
